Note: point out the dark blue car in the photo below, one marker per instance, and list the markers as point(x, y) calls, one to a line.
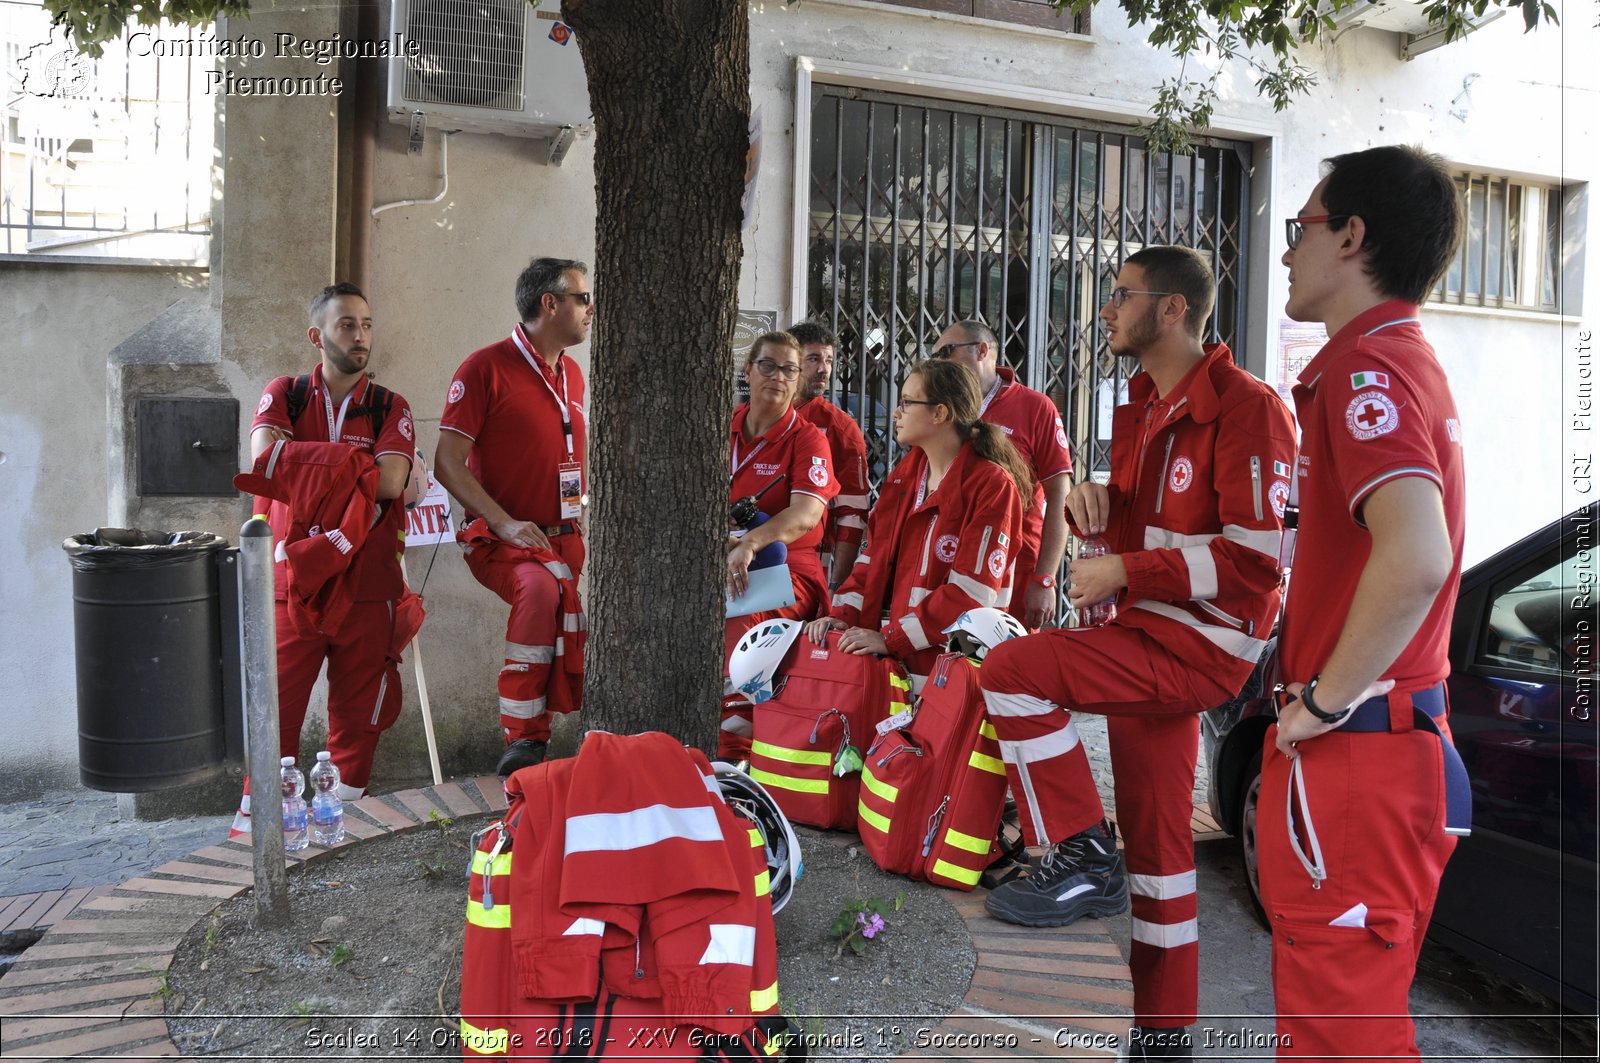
point(1519, 894)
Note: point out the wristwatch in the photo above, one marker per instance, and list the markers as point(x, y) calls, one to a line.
point(1048, 582)
point(1313, 709)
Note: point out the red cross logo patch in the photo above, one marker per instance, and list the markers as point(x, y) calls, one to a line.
point(945, 548)
point(263, 405)
point(819, 475)
point(1371, 414)
point(457, 389)
point(1182, 474)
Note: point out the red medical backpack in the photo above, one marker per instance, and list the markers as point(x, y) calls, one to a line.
point(933, 789)
point(827, 700)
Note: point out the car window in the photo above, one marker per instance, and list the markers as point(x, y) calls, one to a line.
point(1534, 619)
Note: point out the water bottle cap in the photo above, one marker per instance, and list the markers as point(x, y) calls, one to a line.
point(324, 756)
point(287, 762)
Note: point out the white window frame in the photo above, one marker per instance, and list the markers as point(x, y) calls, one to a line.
point(1520, 268)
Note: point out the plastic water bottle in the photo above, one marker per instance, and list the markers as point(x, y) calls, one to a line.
point(1102, 612)
point(295, 837)
point(327, 807)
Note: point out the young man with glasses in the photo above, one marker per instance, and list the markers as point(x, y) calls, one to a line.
point(1200, 458)
point(847, 513)
point(1362, 793)
point(1032, 423)
point(512, 451)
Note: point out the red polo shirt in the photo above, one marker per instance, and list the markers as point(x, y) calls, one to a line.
point(1374, 406)
point(377, 566)
point(1033, 424)
point(509, 403)
point(798, 450)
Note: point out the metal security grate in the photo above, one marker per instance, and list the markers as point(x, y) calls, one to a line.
point(924, 215)
point(471, 53)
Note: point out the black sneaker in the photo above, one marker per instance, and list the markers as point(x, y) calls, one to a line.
point(523, 753)
point(1080, 876)
point(1148, 1042)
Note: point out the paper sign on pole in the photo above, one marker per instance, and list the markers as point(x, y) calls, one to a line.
point(428, 522)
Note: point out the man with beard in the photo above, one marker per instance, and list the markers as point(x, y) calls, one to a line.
point(1200, 457)
point(337, 402)
point(1033, 425)
point(847, 513)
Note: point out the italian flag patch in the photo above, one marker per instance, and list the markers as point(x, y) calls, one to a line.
point(1369, 380)
point(1280, 469)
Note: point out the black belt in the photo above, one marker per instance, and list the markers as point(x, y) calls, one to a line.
point(1427, 708)
point(564, 528)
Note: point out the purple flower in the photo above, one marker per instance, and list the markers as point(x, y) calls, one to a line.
point(869, 926)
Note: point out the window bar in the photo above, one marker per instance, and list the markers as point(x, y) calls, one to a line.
point(1041, 249)
point(866, 258)
point(838, 221)
point(1194, 199)
point(895, 248)
point(1216, 250)
point(1506, 250)
point(1466, 238)
point(1483, 247)
point(922, 228)
point(1122, 207)
point(1007, 161)
point(950, 222)
point(978, 301)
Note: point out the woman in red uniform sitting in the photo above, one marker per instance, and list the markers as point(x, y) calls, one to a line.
point(784, 459)
point(942, 537)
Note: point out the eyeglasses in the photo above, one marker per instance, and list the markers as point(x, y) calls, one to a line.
point(586, 298)
point(768, 368)
point(1120, 295)
point(951, 348)
point(902, 403)
point(1295, 228)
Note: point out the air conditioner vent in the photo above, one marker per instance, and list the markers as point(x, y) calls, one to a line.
point(470, 53)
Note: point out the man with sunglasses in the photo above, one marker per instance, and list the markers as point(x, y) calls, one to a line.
point(511, 451)
point(1362, 793)
point(1033, 425)
point(1200, 458)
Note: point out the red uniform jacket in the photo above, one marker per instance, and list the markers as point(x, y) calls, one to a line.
point(331, 490)
point(1198, 485)
point(847, 513)
point(927, 564)
point(637, 877)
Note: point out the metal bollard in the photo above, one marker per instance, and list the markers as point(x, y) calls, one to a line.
point(260, 655)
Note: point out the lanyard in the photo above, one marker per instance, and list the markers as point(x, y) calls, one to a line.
point(521, 341)
point(336, 422)
point(994, 389)
point(922, 491)
point(739, 463)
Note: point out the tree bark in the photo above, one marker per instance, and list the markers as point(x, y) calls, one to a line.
point(669, 85)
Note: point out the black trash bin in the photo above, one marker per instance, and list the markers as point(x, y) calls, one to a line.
point(147, 622)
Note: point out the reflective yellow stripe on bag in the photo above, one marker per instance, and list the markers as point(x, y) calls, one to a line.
point(483, 865)
point(965, 875)
point(788, 782)
point(484, 1042)
point(871, 818)
point(791, 756)
point(496, 918)
point(967, 842)
point(878, 786)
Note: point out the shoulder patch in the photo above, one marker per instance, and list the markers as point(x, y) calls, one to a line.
point(818, 473)
point(264, 404)
point(1369, 379)
point(406, 428)
point(457, 389)
point(1371, 414)
point(997, 563)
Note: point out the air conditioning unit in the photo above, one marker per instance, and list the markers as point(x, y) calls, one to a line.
point(488, 66)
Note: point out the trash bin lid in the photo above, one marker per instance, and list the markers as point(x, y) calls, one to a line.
point(126, 548)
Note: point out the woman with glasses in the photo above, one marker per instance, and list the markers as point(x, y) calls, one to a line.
point(942, 538)
point(780, 460)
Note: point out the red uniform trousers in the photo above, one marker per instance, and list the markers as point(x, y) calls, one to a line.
point(363, 686)
point(733, 737)
point(1153, 699)
point(1377, 805)
point(532, 631)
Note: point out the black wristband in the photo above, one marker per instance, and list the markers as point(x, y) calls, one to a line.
point(1313, 709)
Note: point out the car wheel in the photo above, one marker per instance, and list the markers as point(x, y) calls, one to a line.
point(1249, 798)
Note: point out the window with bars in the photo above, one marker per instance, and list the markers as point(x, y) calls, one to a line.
point(922, 214)
point(1040, 13)
point(109, 157)
point(1510, 253)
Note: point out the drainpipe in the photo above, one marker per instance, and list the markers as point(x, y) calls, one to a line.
point(364, 146)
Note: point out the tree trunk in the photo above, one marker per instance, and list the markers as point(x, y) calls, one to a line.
point(669, 84)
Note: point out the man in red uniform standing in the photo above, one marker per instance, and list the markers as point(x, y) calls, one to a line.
point(847, 513)
point(1199, 467)
point(338, 403)
point(1034, 427)
point(511, 451)
point(1362, 793)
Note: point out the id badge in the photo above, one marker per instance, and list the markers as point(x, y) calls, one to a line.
point(569, 477)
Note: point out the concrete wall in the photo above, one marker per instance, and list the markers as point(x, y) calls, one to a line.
point(442, 276)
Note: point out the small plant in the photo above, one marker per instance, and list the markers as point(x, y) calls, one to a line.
point(213, 932)
point(439, 820)
point(342, 954)
point(862, 921)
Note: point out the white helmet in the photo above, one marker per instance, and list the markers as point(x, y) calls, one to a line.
point(747, 798)
point(977, 631)
point(753, 664)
